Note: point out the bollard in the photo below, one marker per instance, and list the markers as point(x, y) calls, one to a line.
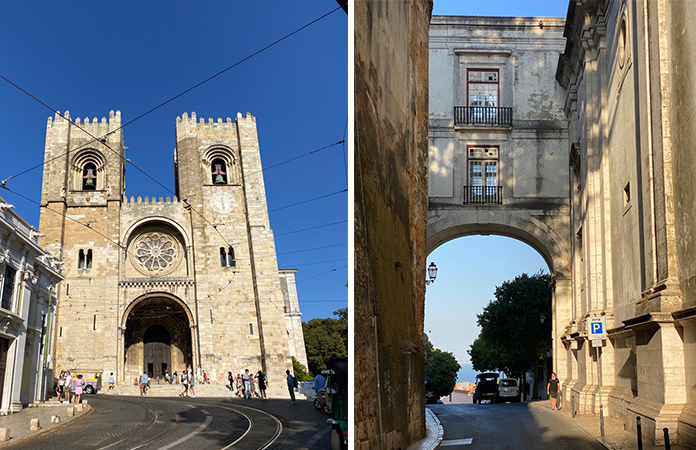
point(572, 406)
point(640, 433)
point(34, 425)
point(85, 402)
point(4, 434)
point(601, 420)
point(71, 411)
point(79, 407)
point(666, 431)
point(55, 419)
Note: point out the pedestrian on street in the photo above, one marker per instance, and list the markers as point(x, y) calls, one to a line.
point(191, 381)
point(144, 379)
point(246, 378)
point(184, 382)
point(111, 382)
point(261, 378)
point(175, 377)
point(230, 378)
point(79, 385)
point(66, 387)
point(552, 390)
point(240, 385)
point(61, 386)
point(292, 384)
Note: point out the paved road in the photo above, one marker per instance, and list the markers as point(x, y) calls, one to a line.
point(509, 426)
point(201, 423)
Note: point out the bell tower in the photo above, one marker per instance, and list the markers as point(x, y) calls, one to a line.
point(84, 171)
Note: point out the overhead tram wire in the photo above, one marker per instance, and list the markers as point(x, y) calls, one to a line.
point(312, 249)
point(323, 273)
point(95, 139)
point(312, 228)
point(165, 102)
point(86, 225)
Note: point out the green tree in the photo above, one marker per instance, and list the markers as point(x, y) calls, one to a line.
point(300, 371)
point(325, 339)
point(440, 371)
point(512, 337)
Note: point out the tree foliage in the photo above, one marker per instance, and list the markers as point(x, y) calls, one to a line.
point(440, 371)
point(325, 339)
point(512, 335)
point(300, 371)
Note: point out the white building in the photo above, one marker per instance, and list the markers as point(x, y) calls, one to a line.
point(28, 278)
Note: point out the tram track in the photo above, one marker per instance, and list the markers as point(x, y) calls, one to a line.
point(152, 423)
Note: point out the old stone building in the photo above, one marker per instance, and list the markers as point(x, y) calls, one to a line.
point(628, 69)
point(155, 284)
point(29, 279)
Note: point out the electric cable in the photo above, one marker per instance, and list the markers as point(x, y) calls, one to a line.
point(312, 249)
point(312, 228)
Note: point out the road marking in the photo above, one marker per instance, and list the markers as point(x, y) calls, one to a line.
point(456, 442)
point(205, 424)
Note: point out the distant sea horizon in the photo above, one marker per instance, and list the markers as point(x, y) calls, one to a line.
point(466, 374)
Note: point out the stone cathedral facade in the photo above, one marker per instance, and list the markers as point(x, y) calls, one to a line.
point(157, 284)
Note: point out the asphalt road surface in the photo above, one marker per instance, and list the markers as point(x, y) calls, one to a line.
point(509, 426)
point(184, 423)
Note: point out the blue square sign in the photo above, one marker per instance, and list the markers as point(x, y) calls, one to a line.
point(596, 328)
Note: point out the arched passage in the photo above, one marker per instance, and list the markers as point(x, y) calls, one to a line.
point(157, 336)
point(546, 231)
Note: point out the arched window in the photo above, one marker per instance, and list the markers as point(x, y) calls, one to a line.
point(223, 261)
point(84, 259)
point(231, 262)
point(89, 177)
point(219, 171)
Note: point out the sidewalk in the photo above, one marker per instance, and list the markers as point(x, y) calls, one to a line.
point(615, 435)
point(19, 423)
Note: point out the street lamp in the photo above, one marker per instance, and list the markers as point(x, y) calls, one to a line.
point(432, 273)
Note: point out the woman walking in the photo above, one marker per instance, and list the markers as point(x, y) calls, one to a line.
point(261, 378)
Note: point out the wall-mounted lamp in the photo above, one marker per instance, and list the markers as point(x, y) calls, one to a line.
point(432, 273)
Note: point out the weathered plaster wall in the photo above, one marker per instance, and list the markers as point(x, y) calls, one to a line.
point(391, 144)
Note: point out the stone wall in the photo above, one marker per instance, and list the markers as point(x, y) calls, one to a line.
point(391, 132)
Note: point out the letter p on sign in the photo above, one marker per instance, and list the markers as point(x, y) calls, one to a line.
point(596, 326)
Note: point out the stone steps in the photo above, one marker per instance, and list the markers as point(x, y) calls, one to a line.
point(167, 390)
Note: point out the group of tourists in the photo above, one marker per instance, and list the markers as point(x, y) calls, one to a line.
point(65, 383)
point(244, 384)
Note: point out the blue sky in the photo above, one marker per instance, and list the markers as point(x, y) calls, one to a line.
point(92, 57)
point(470, 268)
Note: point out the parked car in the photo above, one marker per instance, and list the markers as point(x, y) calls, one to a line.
point(509, 390)
point(486, 387)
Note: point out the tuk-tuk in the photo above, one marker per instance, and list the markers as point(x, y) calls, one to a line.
point(339, 403)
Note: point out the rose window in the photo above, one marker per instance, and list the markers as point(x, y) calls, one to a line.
point(156, 252)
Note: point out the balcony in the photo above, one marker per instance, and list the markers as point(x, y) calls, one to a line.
point(483, 195)
point(483, 115)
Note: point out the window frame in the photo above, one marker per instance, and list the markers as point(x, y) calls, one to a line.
point(469, 83)
point(469, 159)
point(8, 288)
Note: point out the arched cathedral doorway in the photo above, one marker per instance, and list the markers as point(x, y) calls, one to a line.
point(158, 337)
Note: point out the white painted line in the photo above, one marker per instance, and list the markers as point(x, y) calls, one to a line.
point(466, 441)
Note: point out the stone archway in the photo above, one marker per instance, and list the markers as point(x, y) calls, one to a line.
point(158, 336)
point(545, 230)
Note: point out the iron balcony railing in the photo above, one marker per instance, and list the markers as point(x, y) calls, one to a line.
point(483, 195)
point(483, 115)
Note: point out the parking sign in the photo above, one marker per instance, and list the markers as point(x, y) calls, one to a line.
point(596, 328)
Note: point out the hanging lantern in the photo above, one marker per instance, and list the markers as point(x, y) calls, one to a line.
point(219, 179)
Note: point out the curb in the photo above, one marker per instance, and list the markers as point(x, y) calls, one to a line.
point(433, 433)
